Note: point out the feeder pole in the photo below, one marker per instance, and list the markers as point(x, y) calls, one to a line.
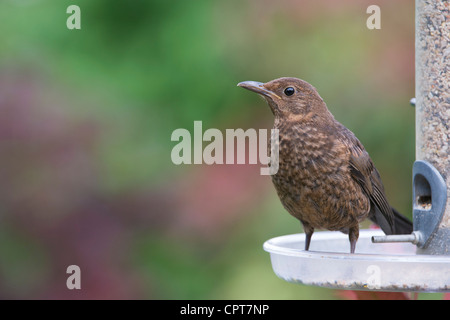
point(432, 50)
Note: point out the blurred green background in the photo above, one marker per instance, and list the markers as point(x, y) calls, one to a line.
point(86, 118)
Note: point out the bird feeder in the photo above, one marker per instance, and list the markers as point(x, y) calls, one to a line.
point(417, 262)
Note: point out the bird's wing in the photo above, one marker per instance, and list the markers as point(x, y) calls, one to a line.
point(366, 175)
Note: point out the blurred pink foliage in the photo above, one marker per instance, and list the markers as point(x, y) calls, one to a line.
point(50, 191)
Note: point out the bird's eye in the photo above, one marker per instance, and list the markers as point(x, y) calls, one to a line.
point(289, 91)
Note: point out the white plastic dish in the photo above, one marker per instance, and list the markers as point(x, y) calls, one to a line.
point(382, 266)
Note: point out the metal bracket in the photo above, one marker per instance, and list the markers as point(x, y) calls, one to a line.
point(429, 199)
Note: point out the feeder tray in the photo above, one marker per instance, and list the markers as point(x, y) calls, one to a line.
point(379, 267)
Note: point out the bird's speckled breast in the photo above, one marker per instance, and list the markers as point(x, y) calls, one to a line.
point(314, 182)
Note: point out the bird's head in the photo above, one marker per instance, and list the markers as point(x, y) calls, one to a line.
point(288, 96)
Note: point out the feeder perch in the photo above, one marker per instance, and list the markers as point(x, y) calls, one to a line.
point(430, 197)
point(419, 261)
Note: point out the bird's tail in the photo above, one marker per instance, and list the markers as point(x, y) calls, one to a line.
point(402, 225)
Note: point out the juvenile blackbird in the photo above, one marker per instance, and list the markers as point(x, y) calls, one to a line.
point(326, 178)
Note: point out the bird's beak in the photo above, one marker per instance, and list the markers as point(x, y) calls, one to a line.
point(259, 88)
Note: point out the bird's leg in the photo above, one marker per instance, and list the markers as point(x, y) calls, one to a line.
point(309, 232)
point(353, 235)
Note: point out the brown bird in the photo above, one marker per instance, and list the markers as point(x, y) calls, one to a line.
point(326, 178)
